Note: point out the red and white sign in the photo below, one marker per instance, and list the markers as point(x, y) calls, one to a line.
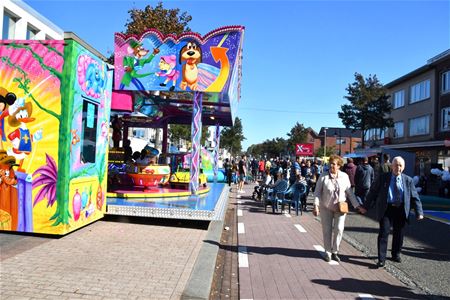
point(304, 149)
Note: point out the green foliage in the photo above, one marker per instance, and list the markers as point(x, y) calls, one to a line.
point(231, 137)
point(297, 135)
point(330, 150)
point(276, 147)
point(369, 105)
point(183, 131)
point(165, 20)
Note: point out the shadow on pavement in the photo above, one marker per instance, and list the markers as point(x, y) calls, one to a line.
point(272, 250)
point(372, 287)
point(359, 260)
point(157, 221)
point(426, 253)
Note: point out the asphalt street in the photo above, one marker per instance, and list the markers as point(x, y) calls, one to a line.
point(426, 251)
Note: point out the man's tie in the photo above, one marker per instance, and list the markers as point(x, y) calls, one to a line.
point(397, 191)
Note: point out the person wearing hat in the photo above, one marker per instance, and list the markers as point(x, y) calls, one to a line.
point(21, 138)
point(167, 66)
point(132, 64)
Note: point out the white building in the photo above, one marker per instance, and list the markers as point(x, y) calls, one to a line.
point(21, 22)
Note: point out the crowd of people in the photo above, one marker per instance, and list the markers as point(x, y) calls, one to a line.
point(363, 184)
point(268, 171)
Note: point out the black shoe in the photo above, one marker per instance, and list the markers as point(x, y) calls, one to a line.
point(335, 257)
point(172, 88)
point(381, 264)
point(162, 84)
point(327, 258)
point(397, 258)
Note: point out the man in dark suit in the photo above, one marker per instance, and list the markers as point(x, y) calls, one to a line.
point(393, 194)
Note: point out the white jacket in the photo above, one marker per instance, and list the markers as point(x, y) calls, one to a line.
point(325, 188)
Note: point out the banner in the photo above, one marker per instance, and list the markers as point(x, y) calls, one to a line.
point(304, 149)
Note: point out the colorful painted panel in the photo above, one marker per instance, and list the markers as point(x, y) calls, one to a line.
point(30, 116)
point(54, 102)
point(188, 62)
point(89, 126)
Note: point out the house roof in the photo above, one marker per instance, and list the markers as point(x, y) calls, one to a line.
point(339, 131)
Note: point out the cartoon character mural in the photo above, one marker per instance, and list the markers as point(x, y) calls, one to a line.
point(167, 69)
point(133, 64)
point(51, 87)
point(6, 100)
point(201, 63)
point(21, 138)
point(91, 76)
point(191, 55)
point(8, 193)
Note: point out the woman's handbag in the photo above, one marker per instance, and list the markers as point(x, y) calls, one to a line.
point(343, 207)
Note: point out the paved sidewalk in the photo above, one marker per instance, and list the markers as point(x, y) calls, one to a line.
point(280, 258)
point(105, 260)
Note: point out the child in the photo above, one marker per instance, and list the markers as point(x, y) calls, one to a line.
point(167, 66)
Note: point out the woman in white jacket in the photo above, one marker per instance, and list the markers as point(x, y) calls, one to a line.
point(333, 187)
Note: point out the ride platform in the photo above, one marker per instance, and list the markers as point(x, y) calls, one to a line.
point(165, 202)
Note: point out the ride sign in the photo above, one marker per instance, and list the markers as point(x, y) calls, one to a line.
point(304, 149)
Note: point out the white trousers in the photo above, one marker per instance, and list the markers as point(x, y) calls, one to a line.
point(332, 228)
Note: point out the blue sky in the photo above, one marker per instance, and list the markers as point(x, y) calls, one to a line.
point(299, 56)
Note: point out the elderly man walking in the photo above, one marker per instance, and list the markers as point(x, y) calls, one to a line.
point(393, 194)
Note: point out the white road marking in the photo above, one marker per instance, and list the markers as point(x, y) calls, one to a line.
point(299, 227)
point(365, 296)
point(322, 252)
point(239, 213)
point(287, 215)
point(241, 228)
point(239, 202)
point(243, 257)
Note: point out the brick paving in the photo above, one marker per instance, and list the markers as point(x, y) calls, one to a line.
point(105, 260)
point(284, 264)
point(141, 260)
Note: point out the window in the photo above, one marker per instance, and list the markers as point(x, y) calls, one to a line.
point(9, 26)
point(420, 91)
point(374, 134)
point(445, 82)
point(340, 141)
point(31, 32)
point(399, 99)
point(89, 134)
point(398, 129)
point(419, 126)
point(445, 123)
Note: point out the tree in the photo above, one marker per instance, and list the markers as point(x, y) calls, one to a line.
point(232, 137)
point(297, 135)
point(183, 131)
point(165, 20)
point(269, 148)
point(369, 106)
point(330, 150)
